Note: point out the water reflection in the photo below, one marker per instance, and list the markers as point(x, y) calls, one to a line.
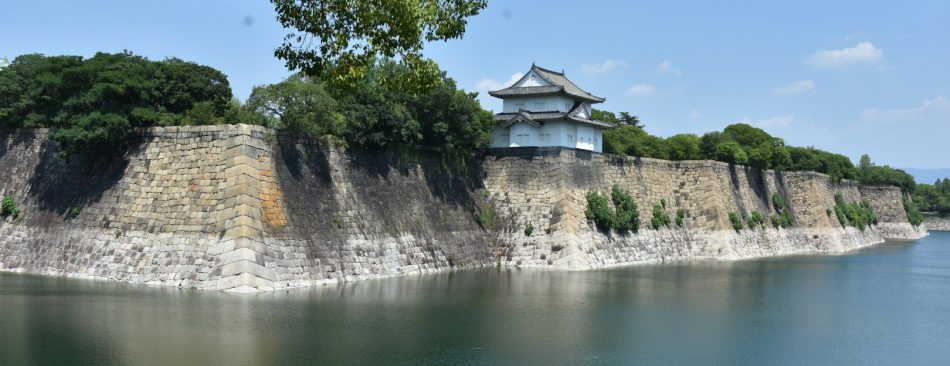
point(886, 304)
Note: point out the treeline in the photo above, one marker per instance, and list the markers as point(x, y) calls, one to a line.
point(934, 198)
point(373, 115)
point(745, 145)
point(96, 103)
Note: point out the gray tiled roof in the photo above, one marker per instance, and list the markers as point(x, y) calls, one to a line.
point(536, 117)
point(560, 84)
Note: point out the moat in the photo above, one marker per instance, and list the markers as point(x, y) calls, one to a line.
point(885, 304)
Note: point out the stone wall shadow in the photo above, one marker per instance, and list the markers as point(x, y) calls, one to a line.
point(16, 137)
point(59, 184)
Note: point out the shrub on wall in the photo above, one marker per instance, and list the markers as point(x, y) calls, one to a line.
point(858, 214)
point(660, 218)
point(913, 212)
point(598, 210)
point(783, 215)
point(736, 221)
point(528, 230)
point(623, 217)
point(8, 207)
point(680, 215)
point(756, 219)
point(627, 215)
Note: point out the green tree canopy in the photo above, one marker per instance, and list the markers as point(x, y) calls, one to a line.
point(340, 40)
point(95, 103)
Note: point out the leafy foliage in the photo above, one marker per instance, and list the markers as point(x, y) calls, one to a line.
point(860, 215)
point(624, 217)
point(74, 212)
point(783, 215)
point(736, 221)
point(95, 103)
point(933, 198)
point(913, 213)
point(340, 40)
point(371, 115)
point(869, 173)
point(599, 211)
point(755, 219)
point(627, 215)
point(8, 207)
point(528, 229)
point(660, 218)
point(680, 215)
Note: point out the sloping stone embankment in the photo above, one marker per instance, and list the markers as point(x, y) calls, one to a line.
point(235, 208)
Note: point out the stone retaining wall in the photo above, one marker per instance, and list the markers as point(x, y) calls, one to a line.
point(236, 208)
point(937, 223)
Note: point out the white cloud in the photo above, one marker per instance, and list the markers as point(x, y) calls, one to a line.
point(695, 115)
point(864, 52)
point(667, 68)
point(603, 67)
point(488, 84)
point(641, 90)
point(937, 107)
point(795, 87)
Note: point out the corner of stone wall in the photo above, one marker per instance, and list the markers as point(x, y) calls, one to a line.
point(240, 251)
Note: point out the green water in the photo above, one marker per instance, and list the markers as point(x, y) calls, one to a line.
point(888, 304)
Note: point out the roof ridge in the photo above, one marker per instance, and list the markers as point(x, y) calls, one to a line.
point(547, 70)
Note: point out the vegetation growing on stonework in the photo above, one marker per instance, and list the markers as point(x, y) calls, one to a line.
point(755, 219)
point(783, 215)
point(8, 207)
point(736, 221)
point(528, 229)
point(74, 212)
point(627, 215)
point(660, 218)
point(913, 212)
point(680, 215)
point(857, 214)
point(624, 217)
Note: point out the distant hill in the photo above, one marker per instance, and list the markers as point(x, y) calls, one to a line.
point(928, 176)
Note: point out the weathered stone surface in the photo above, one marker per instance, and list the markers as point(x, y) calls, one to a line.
point(233, 208)
point(937, 223)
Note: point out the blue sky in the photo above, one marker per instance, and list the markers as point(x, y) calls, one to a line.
point(850, 77)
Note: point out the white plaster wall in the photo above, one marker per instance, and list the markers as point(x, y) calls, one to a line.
point(532, 79)
point(499, 137)
point(551, 103)
point(521, 128)
point(585, 137)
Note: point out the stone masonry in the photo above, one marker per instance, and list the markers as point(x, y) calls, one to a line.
point(237, 208)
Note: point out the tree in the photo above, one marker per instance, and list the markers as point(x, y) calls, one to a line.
point(298, 104)
point(628, 119)
point(341, 39)
point(95, 103)
point(685, 146)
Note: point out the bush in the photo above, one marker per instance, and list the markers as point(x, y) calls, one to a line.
point(858, 214)
point(627, 215)
point(624, 217)
point(528, 230)
point(8, 207)
point(74, 212)
point(598, 211)
point(783, 215)
point(660, 218)
point(756, 219)
point(913, 213)
point(680, 215)
point(736, 221)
